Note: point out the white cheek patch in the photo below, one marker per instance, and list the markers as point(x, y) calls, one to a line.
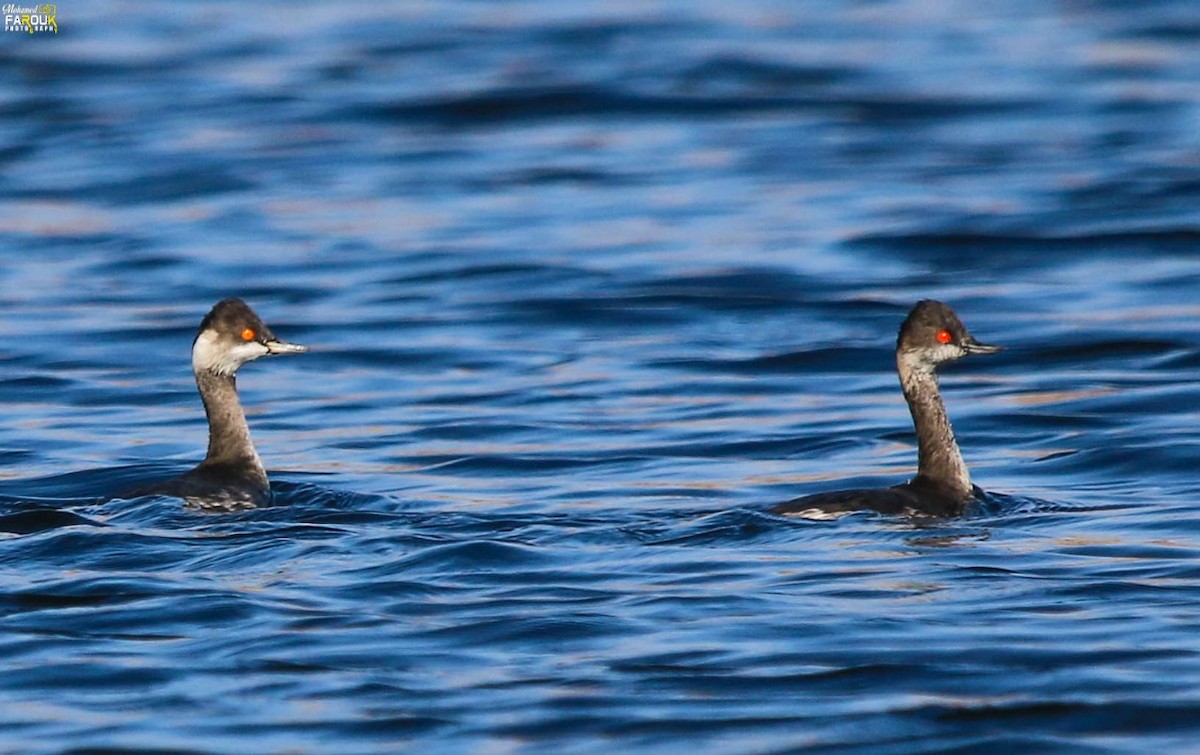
point(210, 354)
point(927, 361)
point(948, 352)
point(912, 364)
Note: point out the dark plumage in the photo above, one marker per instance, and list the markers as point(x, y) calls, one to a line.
point(931, 336)
point(231, 475)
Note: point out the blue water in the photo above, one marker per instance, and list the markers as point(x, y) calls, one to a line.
point(589, 286)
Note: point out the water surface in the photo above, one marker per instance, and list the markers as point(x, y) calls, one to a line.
point(588, 287)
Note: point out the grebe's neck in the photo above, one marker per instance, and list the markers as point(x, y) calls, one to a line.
point(938, 457)
point(228, 434)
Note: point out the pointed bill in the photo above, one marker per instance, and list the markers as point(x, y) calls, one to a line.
point(971, 346)
point(283, 347)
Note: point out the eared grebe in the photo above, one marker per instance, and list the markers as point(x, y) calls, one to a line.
point(932, 335)
point(231, 475)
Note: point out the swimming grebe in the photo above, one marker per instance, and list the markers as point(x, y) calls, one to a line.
point(231, 475)
point(932, 335)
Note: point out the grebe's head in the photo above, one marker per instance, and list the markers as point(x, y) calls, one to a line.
point(932, 335)
point(231, 335)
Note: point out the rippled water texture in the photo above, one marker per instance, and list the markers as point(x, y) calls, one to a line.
point(589, 286)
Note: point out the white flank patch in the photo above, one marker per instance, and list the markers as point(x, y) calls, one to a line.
point(820, 515)
point(210, 354)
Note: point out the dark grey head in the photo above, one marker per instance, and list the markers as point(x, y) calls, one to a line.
point(231, 335)
point(933, 335)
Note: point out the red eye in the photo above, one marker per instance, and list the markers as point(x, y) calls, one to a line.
point(248, 334)
point(944, 336)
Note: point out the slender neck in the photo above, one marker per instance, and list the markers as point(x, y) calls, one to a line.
point(228, 433)
point(938, 457)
